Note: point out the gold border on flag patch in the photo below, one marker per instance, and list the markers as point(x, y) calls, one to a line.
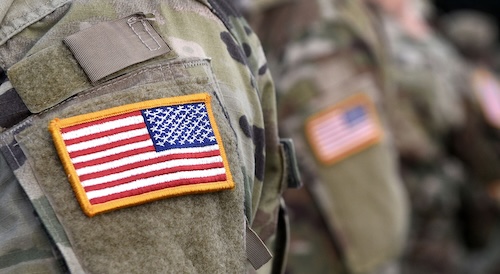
point(142, 152)
point(344, 129)
point(487, 91)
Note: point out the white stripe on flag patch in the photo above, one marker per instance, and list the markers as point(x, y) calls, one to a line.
point(133, 120)
point(149, 168)
point(108, 139)
point(343, 143)
point(139, 158)
point(112, 151)
point(141, 152)
point(155, 180)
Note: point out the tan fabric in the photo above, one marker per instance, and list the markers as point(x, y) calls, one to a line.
point(110, 46)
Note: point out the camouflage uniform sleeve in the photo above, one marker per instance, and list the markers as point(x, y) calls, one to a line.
point(473, 34)
point(264, 196)
point(231, 63)
point(25, 247)
point(263, 199)
point(325, 62)
point(476, 143)
point(267, 207)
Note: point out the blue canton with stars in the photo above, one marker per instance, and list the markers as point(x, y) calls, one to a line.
point(355, 115)
point(179, 126)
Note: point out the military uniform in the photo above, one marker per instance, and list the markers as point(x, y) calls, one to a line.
point(478, 52)
point(441, 147)
point(190, 76)
point(332, 88)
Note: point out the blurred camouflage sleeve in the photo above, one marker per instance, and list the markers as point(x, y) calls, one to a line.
point(476, 143)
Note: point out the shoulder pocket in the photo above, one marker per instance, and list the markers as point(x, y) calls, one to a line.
point(214, 217)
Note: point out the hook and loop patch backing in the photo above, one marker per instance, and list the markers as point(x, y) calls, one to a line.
point(142, 152)
point(344, 129)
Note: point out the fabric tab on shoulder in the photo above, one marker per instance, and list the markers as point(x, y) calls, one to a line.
point(108, 47)
point(257, 252)
point(292, 174)
point(142, 152)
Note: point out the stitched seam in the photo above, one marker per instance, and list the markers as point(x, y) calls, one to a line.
point(132, 21)
point(158, 67)
point(13, 156)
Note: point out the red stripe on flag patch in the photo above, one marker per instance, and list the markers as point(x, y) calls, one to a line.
point(134, 192)
point(151, 174)
point(344, 129)
point(118, 144)
point(103, 134)
point(142, 152)
point(113, 167)
point(100, 121)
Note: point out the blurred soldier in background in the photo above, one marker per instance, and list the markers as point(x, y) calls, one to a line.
point(328, 58)
point(447, 161)
point(474, 34)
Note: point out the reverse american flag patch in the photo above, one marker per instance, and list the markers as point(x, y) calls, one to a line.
point(142, 152)
point(344, 129)
point(488, 93)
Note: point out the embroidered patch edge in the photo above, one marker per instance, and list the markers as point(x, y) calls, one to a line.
point(349, 101)
point(90, 210)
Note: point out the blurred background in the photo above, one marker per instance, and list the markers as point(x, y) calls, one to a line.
point(394, 108)
point(491, 8)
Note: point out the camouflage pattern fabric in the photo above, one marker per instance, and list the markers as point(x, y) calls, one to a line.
point(312, 249)
point(320, 60)
point(479, 57)
point(214, 50)
point(439, 143)
point(478, 53)
point(479, 27)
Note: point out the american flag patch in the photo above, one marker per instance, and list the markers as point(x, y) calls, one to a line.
point(142, 152)
point(488, 92)
point(344, 129)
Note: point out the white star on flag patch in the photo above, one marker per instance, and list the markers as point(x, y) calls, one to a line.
point(142, 152)
point(344, 129)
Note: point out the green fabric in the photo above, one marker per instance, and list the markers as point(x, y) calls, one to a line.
point(361, 197)
point(215, 242)
point(21, 16)
point(195, 30)
point(61, 80)
point(25, 245)
point(311, 247)
point(26, 17)
point(444, 148)
point(480, 134)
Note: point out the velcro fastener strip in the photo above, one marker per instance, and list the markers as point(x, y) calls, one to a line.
point(47, 78)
